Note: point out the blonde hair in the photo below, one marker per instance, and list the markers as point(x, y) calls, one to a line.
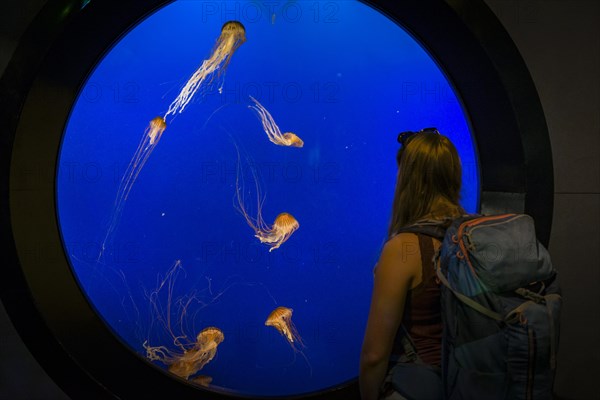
point(429, 181)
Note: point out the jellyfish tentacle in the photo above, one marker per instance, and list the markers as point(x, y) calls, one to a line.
point(239, 195)
point(148, 142)
point(272, 130)
point(269, 126)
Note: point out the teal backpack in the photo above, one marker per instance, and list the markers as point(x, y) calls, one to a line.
point(500, 305)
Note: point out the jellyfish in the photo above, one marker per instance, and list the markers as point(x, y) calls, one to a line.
point(273, 235)
point(233, 35)
point(191, 360)
point(187, 356)
point(173, 310)
point(272, 130)
point(281, 319)
point(148, 142)
point(194, 359)
point(285, 224)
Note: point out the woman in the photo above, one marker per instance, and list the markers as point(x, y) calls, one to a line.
point(405, 291)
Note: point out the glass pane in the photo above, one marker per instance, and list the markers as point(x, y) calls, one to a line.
point(157, 237)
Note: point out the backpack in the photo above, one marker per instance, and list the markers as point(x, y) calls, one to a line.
point(500, 303)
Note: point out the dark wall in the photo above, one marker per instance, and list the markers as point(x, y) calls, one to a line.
point(21, 377)
point(560, 43)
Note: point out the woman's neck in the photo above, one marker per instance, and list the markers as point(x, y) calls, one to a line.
point(443, 209)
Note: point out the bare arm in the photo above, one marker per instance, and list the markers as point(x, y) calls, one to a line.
point(397, 271)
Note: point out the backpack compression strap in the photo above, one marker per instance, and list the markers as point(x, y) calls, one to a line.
point(468, 301)
point(494, 315)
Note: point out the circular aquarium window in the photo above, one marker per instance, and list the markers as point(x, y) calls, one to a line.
point(225, 182)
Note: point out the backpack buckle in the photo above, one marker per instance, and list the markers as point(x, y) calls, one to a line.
point(528, 294)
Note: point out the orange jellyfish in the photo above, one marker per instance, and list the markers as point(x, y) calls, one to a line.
point(233, 35)
point(191, 360)
point(187, 356)
point(273, 235)
point(285, 224)
point(148, 142)
point(281, 319)
point(272, 130)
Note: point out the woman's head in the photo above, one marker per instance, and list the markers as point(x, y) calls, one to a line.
point(429, 179)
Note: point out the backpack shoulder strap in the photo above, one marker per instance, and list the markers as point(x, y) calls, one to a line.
point(435, 229)
point(427, 252)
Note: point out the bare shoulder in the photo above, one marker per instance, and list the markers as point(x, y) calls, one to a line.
point(402, 240)
point(401, 254)
point(404, 246)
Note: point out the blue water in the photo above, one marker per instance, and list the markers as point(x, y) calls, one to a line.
point(342, 77)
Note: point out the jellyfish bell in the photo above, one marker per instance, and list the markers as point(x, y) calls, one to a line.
point(211, 334)
point(155, 129)
point(210, 337)
point(284, 217)
point(293, 139)
point(279, 314)
point(234, 27)
point(286, 221)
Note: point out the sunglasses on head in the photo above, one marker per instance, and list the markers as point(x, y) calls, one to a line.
point(403, 137)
